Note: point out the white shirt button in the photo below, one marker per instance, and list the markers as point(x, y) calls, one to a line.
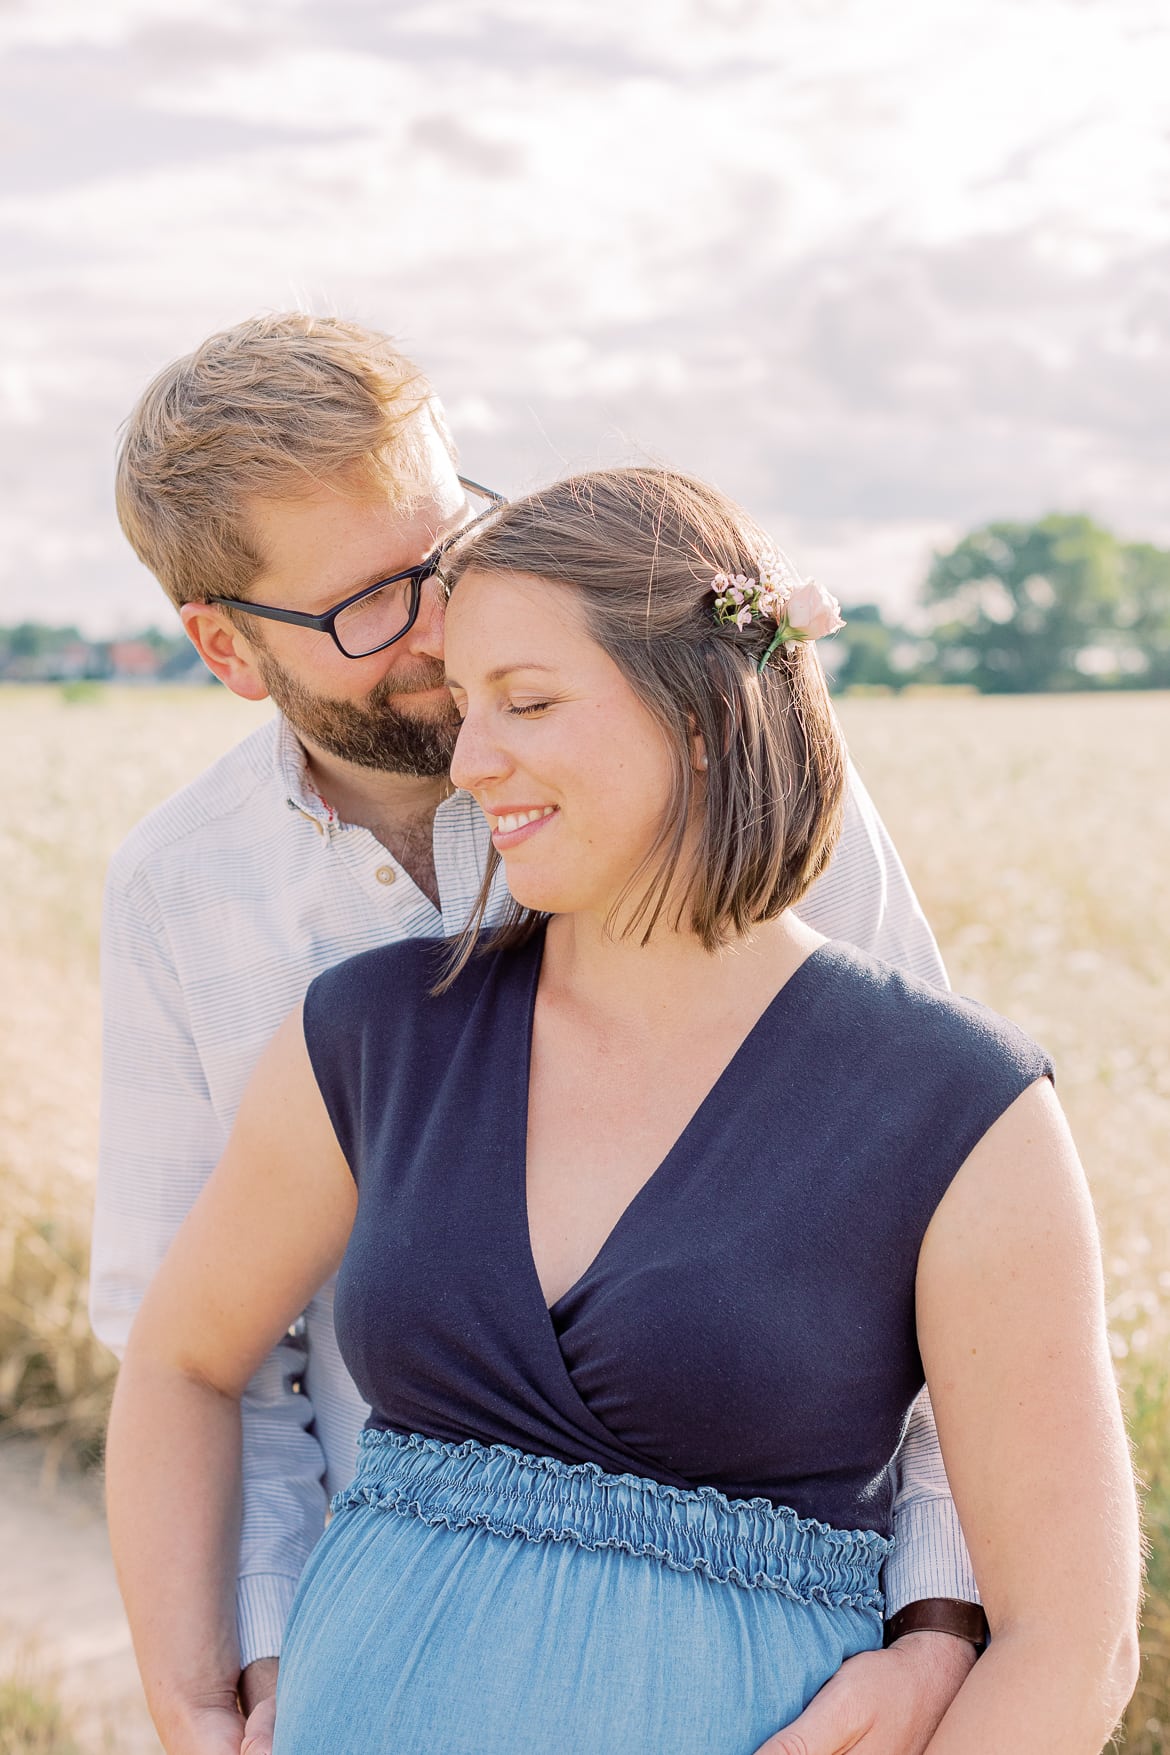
point(386, 874)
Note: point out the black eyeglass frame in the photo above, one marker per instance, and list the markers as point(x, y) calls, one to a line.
point(418, 576)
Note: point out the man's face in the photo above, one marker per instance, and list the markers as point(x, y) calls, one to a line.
point(389, 711)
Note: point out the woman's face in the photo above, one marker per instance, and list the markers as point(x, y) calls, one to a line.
point(571, 770)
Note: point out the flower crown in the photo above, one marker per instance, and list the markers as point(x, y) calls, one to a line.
point(800, 608)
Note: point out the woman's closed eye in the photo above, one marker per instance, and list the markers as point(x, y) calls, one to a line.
point(524, 708)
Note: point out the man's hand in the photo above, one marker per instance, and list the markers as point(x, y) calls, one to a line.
point(881, 1702)
point(258, 1698)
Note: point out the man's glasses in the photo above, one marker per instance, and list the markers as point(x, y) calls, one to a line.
point(375, 617)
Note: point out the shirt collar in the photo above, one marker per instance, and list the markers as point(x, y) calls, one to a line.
point(293, 770)
point(300, 794)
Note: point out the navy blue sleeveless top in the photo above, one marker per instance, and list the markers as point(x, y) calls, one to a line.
point(749, 1323)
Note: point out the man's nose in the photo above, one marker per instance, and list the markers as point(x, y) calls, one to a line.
point(426, 636)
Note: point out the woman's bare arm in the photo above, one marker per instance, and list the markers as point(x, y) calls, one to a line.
point(1011, 1322)
point(267, 1231)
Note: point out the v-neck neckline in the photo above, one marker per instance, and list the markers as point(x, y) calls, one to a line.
point(519, 1153)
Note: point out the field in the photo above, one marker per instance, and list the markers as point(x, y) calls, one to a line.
point(1037, 832)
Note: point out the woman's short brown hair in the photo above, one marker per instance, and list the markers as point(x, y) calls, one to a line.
point(639, 548)
point(273, 407)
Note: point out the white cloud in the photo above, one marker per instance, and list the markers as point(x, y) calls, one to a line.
point(880, 273)
point(65, 23)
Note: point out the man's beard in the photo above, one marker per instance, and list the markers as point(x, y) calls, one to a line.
point(376, 732)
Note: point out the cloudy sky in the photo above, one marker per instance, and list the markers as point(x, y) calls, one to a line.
point(882, 268)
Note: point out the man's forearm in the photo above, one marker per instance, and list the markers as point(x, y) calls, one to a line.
point(173, 1471)
point(258, 1682)
point(284, 1502)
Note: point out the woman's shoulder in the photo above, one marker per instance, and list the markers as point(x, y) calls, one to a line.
point(914, 1075)
point(937, 1033)
point(404, 965)
point(374, 1024)
point(394, 982)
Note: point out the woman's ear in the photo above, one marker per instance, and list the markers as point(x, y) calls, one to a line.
point(698, 750)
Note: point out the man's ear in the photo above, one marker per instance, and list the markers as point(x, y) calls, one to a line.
point(224, 649)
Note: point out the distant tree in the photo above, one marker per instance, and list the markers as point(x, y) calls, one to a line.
point(1023, 607)
point(863, 651)
point(1144, 615)
point(33, 639)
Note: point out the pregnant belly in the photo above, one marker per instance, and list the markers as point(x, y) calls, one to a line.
point(415, 1637)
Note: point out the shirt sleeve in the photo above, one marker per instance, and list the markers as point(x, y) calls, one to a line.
point(866, 899)
point(929, 1556)
point(160, 1139)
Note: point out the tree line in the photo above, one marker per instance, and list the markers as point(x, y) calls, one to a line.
point(41, 652)
point(1057, 604)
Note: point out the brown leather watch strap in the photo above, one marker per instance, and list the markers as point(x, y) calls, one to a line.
point(939, 1615)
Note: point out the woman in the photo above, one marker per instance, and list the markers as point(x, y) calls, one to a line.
point(654, 1214)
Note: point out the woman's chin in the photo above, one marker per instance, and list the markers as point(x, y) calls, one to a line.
point(544, 892)
point(541, 898)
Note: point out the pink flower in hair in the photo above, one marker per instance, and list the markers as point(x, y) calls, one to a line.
point(812, 612)
point(800, 608)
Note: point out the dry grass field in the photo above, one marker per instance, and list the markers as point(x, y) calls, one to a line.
point(1037, 832)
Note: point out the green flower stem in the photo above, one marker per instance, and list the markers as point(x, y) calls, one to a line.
point(783, 632)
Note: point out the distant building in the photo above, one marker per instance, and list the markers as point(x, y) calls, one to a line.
point(32, 652)
point(134, 660)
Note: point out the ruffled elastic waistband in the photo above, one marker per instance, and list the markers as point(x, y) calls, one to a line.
point(747, 1542)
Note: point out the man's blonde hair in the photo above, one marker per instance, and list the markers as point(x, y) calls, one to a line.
point(273, 407)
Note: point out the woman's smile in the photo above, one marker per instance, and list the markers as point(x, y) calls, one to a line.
point(510, 827)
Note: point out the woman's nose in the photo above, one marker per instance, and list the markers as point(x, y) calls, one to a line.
point(478, 759)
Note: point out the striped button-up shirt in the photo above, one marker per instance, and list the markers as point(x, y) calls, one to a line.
point(221, 907)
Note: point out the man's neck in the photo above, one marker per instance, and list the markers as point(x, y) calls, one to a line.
point(398, 809)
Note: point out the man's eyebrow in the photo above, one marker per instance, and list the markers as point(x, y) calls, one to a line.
point(441, 536)
point(503, 670)
point(366, 584)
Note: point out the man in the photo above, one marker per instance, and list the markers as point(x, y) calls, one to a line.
point(290, 484)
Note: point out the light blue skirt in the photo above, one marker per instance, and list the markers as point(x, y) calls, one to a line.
point(470, 1600)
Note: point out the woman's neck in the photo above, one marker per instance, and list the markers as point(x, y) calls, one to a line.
point(673, 977)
